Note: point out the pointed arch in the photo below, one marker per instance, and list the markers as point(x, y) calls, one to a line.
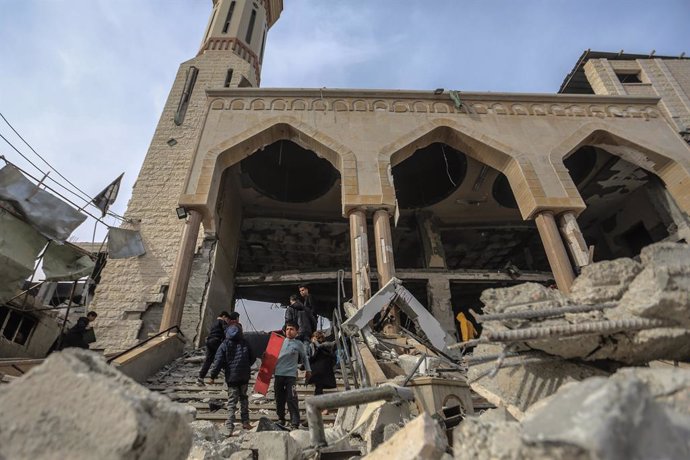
point(203, 182)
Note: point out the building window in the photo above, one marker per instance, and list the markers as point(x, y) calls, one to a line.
point(263, 46)
point(228, 78)
point(231, 10)
point(629, 77)
point(16, 326)
point(192, 72)
point(250, 29)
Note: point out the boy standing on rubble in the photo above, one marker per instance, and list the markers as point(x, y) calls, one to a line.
point(213, 341)
point(235, 357)
point(285, 375)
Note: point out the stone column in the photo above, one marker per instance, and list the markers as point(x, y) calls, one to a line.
point(177, 292)
point(440, 303)
point(385, 265)
point(574, 240)
point(555, 250)
point(359, 250)
point(434, 254)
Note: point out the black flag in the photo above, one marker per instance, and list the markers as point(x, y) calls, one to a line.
point(107, 197)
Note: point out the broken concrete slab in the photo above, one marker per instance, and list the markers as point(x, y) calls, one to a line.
point(609, 419)
point(75, 405)
point(665, 254)
point(635, 414)
point(604, 281)
point(661, 292)
point(521, 297)
point(421, 438)
point(517, 388)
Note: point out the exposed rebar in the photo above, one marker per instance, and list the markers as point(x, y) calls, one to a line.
point(566, 330)
point(545, 313)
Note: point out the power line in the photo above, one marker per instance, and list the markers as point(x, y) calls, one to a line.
point(85, 196)
point(244, 307)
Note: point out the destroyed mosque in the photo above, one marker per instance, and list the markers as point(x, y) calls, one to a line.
point(553, 226)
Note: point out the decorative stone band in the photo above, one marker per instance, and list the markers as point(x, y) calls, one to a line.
point(427, 102)
point(237, 46)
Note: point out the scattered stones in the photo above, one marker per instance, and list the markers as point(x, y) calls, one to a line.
point(420, 438)
point(75, 405)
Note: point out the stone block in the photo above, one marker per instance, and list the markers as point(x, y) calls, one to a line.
point(276, 445)
point(604, 281)
point(421, 438)
point(521, 297)
point(74, 405)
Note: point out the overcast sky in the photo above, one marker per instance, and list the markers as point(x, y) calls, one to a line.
point(84, 81)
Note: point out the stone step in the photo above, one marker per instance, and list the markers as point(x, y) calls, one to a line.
point(253, 416)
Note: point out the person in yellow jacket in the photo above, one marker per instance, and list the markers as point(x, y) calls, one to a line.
point(467, 330)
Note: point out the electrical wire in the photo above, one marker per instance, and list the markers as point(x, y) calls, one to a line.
point(84, 196)
point(447, 168)
point(244, 307)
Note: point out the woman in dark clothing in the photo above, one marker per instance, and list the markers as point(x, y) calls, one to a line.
point(322, 360)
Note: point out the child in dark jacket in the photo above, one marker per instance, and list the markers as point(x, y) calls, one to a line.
point(235, 358)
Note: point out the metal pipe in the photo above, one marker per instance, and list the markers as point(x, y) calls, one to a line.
point(315, 404)
point(416, 366)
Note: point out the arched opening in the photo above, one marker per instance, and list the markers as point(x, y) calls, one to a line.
point(459, 229)
point(628, 207)
point(279, 224)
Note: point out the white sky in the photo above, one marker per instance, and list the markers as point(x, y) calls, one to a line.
point(85, 81)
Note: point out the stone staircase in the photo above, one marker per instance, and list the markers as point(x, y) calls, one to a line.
point(177, 381)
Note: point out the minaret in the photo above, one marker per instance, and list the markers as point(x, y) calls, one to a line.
point(241, 26)
point(130, 297)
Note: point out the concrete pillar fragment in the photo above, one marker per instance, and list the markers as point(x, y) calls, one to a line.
point(440, 303)
point(177, 292)
point(575, 241)
point(359, 250)
point(434, 254)
point(385, 265)
point(555, 250)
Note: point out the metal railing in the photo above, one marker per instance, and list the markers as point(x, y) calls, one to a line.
point(144, 342)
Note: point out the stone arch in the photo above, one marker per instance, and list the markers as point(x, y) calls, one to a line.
point(476, 145)
point(203, 181)
point(674, 174)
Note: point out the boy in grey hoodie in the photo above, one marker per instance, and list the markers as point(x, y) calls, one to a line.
point(285, 374)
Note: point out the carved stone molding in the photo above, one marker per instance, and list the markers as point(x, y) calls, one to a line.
point(520, 106)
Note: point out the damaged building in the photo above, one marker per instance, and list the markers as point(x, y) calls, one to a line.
point(451, 192)
point(556, 225)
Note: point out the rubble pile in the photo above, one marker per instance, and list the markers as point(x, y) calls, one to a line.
point(634, 414)
point(649, 300)
point(75, 405)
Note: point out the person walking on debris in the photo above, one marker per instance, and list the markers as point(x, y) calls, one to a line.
point(76, 336)
point(308, 301)
point(285, 375)
point(297, 313)
point(236, 358)
point(322, 359)
point(213, 341)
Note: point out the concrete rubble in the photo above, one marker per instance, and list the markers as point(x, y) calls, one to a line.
point(75, 405)
point(634, 414)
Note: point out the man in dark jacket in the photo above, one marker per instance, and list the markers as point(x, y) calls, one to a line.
point(297, 313)
point(213, 341)
point(308, 301)
point(75, 336)
point(235, 357)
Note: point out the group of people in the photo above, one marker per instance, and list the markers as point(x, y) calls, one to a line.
point(227, 350)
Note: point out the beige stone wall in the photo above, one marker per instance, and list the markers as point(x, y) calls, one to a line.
point(361, 132)
point(129, 285)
